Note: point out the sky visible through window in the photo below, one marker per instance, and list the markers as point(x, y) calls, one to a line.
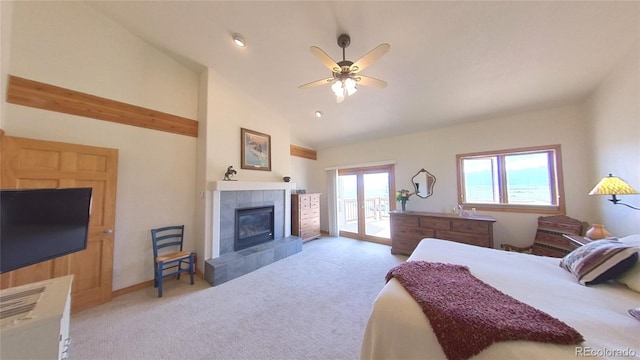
point(528, 179)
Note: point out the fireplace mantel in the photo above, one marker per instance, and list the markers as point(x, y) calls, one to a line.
point(250, 185)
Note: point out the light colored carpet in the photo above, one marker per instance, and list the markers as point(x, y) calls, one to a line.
point(312, 305)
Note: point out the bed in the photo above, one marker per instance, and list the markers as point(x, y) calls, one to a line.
point(398, 329)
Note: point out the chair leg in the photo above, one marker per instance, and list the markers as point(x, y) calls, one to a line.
point(160, 266)
point(191, 262)
point(155, 275)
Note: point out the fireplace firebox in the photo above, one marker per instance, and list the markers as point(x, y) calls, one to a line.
point(253, 226)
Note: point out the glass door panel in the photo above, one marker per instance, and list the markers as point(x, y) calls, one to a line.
point(376, 205)
point(348, 204)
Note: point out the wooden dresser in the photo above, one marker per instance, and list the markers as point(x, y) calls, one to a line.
point(305, 216)
point(408, 228)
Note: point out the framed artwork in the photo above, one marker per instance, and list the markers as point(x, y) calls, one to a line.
point(255, 149)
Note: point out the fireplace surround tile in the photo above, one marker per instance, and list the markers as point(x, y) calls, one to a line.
point(232, 200)
point(231, 264)
point(235, 264)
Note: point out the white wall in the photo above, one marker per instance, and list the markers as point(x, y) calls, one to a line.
point(6, 13)
point(68, 44)
point(301, 173)
point(615, 137)
point(436, 152)
point(229, 110)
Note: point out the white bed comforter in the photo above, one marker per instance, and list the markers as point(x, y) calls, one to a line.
point(398, 329)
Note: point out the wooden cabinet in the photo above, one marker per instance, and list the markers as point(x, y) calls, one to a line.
point(305, 216)
point(408, 228)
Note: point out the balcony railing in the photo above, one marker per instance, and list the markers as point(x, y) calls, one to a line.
point(374, 209)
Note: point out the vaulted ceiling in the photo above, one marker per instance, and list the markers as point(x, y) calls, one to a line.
point(450, 62)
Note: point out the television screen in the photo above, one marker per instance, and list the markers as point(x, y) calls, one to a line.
point(42, 224)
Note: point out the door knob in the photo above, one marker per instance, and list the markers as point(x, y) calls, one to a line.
point(108, 232)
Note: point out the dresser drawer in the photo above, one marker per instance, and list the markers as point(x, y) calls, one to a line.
point(310, 223)
point(305, 204)
point(412, 233)
point(471, 239)
point(404, 221)
point(434, 223)
point(314, 199)
point(310, 213)
point(468, 226)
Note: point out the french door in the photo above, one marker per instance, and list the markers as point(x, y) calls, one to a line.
point(364, 200)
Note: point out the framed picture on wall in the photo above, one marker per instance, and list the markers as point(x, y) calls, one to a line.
point(255, 149)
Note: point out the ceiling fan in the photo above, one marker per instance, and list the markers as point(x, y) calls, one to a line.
point(345, 75)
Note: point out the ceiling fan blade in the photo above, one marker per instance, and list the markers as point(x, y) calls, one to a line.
point(325, 59)
point(370, 57)
point(316, 83)
point(369, 81)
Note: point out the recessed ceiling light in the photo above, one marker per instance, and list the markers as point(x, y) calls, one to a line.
point(318, 114)
point(239, 40)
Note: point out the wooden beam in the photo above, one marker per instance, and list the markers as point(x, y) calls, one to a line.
point(303, 152)
point(49, 97)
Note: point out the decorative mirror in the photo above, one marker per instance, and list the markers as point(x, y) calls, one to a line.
point(423, 183)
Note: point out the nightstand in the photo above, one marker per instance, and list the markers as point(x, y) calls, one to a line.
point(577, 239)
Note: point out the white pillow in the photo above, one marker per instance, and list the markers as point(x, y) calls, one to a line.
point(631, 277)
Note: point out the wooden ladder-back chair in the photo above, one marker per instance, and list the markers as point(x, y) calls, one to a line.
point(169, 256)
point(549, 239)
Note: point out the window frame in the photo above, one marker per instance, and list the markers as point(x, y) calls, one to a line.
point(555, 173)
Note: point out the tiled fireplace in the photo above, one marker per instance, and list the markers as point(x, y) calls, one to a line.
point(228, 197)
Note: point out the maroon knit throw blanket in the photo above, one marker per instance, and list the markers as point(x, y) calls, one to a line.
point(468, 315)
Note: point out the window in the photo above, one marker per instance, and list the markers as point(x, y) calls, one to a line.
point(519, 180)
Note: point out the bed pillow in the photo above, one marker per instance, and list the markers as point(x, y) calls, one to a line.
point(631, 278)
point(600, 261)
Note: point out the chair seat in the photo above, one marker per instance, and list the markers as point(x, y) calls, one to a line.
point(173, 256)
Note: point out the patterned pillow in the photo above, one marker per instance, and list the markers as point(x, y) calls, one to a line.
point(631, 278)
point(599, 261)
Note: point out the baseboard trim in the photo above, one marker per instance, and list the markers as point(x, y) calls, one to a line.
point(142, 285)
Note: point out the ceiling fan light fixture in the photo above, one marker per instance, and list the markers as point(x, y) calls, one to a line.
point(338, 88)
point(350, 86)
point(239, 40)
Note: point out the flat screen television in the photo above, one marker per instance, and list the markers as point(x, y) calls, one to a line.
point(42, 224)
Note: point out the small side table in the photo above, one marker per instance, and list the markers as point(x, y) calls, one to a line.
point(577, 239)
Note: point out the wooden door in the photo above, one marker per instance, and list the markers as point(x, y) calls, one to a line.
point(37, 164)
